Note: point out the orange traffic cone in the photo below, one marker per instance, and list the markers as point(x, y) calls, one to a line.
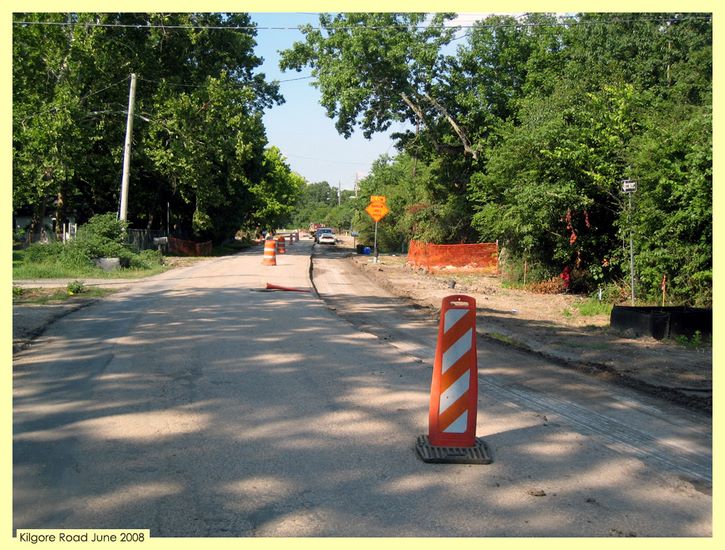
point(270, 252)
point(454, 389)
point(280, 245)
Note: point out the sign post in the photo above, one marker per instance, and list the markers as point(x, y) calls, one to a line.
point(629, 187)
point(377, 210)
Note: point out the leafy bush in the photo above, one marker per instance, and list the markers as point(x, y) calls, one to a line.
point(614, 293)
point(103, 228)
point(512, 271)
point(695, 342)
point(75, 287)
point(146, 259)
point(42, 252)
point(102, 237)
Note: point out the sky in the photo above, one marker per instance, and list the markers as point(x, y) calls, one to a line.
point(300, 127)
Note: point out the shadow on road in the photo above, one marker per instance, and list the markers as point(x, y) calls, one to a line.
point(225, 412)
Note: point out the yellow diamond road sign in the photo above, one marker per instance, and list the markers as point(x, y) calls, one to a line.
point(377, 210)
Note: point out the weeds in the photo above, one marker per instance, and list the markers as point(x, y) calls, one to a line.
point(102, 236)
point(75, 287)
point(593, 306)
point(42, 296)
point(694, 342)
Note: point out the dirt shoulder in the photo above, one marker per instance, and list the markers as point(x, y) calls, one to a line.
point(551, 325)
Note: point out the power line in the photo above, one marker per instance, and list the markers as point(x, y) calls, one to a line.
point(293, 79)
point(561, 22)
point(104, 89)
point(240, 84)
point(80, 100)
point(327, 160)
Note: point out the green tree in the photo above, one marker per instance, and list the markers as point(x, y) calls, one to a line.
point(376, 68)
point(625, 95)
point(198, 137)
point(314, 204)
point(277, 192)
point(673, 205)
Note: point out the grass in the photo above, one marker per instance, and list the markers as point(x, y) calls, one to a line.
point(694, 342)
point(592, 307)
point(52, 268)
point(43, 296)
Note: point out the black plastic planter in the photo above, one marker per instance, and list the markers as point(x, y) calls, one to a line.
point(662, 322)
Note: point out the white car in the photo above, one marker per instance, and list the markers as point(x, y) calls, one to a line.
point(326, 238)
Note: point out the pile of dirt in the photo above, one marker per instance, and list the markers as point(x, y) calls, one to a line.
point(551, 325)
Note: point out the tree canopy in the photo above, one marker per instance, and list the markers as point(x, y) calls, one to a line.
point(200, 154)
point(525, 133)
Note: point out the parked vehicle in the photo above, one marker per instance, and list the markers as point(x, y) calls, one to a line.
point(327, 238)
point(322, 231)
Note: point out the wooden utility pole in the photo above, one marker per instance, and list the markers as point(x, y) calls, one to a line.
point(127, 149)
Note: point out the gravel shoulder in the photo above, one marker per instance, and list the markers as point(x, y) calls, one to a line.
point(550, 325)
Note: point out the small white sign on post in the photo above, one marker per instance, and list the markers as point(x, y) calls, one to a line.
point(629, 186)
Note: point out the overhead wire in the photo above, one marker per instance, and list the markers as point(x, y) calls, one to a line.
point(561, 22)
point(80, 99)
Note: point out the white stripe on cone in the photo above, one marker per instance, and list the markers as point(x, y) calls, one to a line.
point(452, 317)
point(458, 426)
point(456, 351)
point(454, 392)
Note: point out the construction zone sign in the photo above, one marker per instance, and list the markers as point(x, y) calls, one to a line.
point(377, 209)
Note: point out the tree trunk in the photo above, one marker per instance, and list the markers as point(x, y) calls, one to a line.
point(456, 128)
point(36, 223)
point(440, 147)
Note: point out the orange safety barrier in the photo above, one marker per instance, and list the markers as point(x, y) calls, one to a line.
point(454, 389)
point(280, 245)
point(270, 252)
point(481, 257)
point(189, 248)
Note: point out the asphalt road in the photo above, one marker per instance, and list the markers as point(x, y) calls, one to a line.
point(197, 404)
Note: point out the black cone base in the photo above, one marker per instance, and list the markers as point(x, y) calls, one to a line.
point(479, 454)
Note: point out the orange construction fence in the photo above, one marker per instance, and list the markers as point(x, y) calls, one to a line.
point(189, 248)
point(481, 257)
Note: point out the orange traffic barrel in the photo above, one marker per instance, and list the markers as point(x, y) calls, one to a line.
point(280, 245)
point(454, 389)
point(270, 252)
